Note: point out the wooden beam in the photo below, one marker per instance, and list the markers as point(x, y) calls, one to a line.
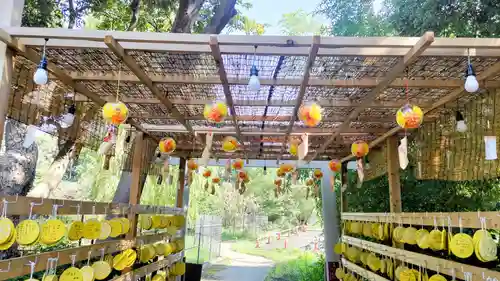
point(118, 50)
point(182, 179)
point(393, 174)
point(426, 261)
point(457, 219)
point(278, 118)
point(33, 56)
point(487, 74)
point(135, 184)
point(313, 52)
point(219, 62)
point(313, 82)
point(253, 131)
point(269, 45)
point(424, 42)
point(290, 103)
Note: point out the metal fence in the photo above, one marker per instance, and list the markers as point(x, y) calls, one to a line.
point(203, 239)
point(249, 223)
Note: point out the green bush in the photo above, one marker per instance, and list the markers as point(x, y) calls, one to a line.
point(307, 267)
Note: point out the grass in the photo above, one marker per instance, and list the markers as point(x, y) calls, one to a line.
point(191, 251)
point(306, 267)
point(276, 255)
point(228, 235)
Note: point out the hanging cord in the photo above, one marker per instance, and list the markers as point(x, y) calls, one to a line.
point(118, 83)
point(407, 94)
point(254, 54)
point(44, 47)
point(468, 57)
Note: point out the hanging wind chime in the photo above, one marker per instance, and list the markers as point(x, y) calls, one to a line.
point(115, 114)
point(360, 149)
point(335, 166)
point(408, 117)
point(206, 174)
point(318, 175)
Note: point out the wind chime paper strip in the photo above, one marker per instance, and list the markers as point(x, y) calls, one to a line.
point(403, 153)
point(303, 149)
point(205, 156)
point(361, 172)
point(29, 139)
point(490, 147)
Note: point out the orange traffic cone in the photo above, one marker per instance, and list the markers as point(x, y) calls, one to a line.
point(286, 243)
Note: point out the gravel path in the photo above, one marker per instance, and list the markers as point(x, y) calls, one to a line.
point(238, 267)
point(293, 241)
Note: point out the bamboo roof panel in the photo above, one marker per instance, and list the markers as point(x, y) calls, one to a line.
point(238, 66)
point(165, 63)
point(447, 67)
point(352, 67)
point(173, 76)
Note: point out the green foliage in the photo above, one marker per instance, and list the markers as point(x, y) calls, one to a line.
point(412, 17)
point(424, 195)
point(299, 23)
point(276, 255)
point(354, 18)
point(306, 267)
point(41, 13)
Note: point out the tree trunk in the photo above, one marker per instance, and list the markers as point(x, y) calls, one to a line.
point(186, 15)
point(17, 168)
point(135, 7)
point(72, 15)
point(55, 173)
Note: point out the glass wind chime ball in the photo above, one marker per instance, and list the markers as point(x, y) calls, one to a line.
point(409, 116)
point(310, 114)
point(207, 173)
point(238, 164)
point(230, 144)
point(335, 165)
point(115, 113)
point(293, 147)
point(215, 112)
point(286, 168)
point(167, 145)
point(360, 149)
point(192, 165)
point(318, 174)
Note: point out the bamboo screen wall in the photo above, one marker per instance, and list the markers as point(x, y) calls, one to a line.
point(443, 153)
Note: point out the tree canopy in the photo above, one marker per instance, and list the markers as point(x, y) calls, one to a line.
point(412, 17)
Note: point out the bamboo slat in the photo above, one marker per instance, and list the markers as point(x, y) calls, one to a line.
point(432, 263)
point(468, 219)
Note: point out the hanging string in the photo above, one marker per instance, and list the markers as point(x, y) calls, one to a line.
point(407, 94)
point(118, 83)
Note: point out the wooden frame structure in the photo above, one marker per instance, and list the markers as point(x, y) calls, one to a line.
point(167, 78)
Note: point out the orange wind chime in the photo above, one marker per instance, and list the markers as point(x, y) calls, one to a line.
point(192, 166)
point(360, 149)
point(318, 175)
point(335, 166)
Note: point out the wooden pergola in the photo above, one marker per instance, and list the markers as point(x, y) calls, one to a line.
point(166, 79)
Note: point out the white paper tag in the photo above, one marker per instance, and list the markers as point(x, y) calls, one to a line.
point(403, 153)
point(30, 136)
point(490, 147)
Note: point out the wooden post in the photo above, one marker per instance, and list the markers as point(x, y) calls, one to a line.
point(182, 179)
point(135, 184)
point(393, 174)
point(344, 186)
point(10, 15)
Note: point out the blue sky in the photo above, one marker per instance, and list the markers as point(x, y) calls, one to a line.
point(270, 11)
